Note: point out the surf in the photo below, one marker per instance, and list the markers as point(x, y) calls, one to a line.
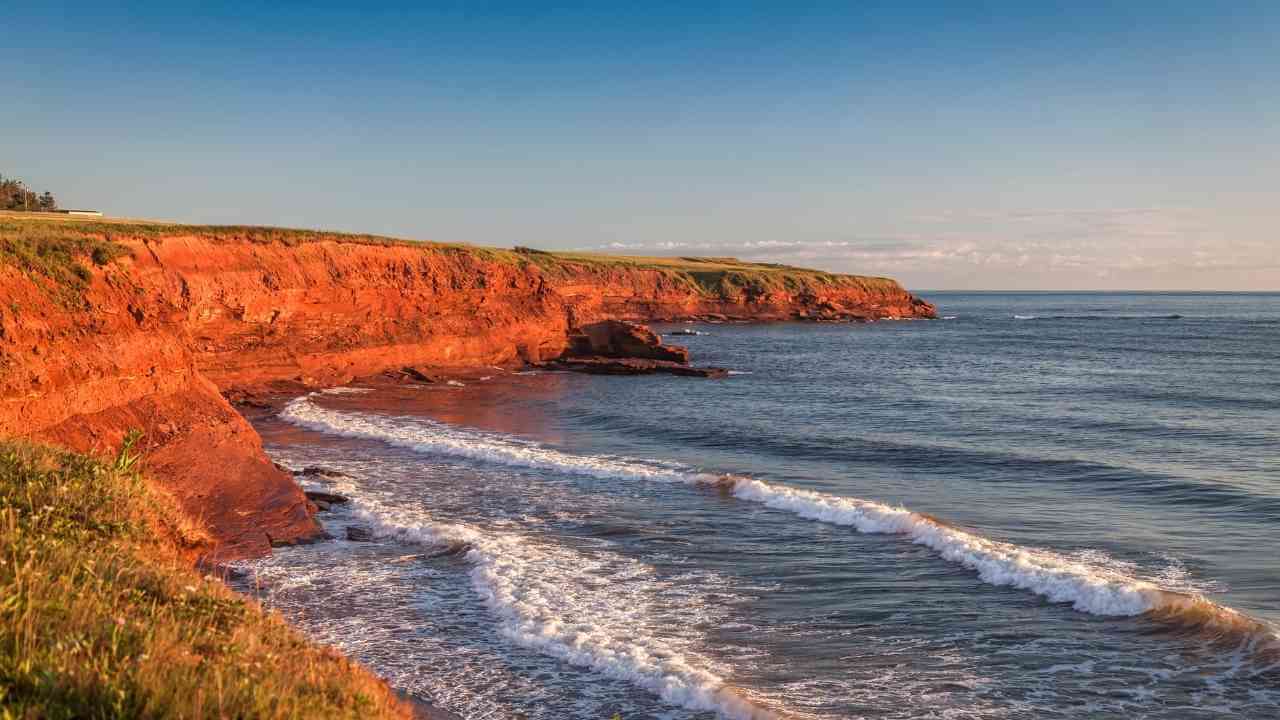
point(591, 610)
point(1088, 587)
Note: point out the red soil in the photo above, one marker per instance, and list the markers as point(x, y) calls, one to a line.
point(157, 335)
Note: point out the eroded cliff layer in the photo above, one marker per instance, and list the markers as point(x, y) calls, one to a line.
point(109, 327)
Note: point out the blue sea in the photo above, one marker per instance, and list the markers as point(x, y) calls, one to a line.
point(1041, 506)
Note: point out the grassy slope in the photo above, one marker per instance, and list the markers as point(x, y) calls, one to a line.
point(101, 615)
point(55, 252)
point(52, 245)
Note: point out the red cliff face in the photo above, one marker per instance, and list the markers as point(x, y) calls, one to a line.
point(159, 332)
point(647, 295)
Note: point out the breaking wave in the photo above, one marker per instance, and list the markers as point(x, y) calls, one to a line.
point(1088, 586)
point(595, 610)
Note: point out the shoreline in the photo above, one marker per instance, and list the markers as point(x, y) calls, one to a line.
point(173, 317)
point(1099, 591)
point(108, 329)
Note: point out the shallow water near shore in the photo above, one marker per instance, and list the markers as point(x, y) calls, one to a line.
point(1045, 506)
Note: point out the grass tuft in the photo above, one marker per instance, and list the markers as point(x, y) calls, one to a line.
point(100, 617)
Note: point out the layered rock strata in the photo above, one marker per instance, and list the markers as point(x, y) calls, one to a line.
point(154, 336)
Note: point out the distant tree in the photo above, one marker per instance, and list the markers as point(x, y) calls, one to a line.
point(14, 195)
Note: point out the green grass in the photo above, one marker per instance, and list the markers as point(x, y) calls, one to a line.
point(721, 276)
point(56, 254)
point(101, 615)
point(715, 276)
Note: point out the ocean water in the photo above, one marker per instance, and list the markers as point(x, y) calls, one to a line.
point(1043, 506)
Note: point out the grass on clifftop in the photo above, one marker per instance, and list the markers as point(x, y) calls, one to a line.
point(711, 275)
point(100, 617)
point(718, 276)
point(55, 253)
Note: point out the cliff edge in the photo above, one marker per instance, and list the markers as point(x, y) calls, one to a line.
point(107, 327)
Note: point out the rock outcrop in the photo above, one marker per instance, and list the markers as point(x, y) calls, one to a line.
point(622, 339)
point(174, 316)
point(620, 347)
point(634, 366)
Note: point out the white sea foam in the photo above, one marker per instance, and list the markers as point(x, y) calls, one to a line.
point(345, 391)
point(1089, 586)
point(424, 435)
point(597, 610)
point(1025, 317)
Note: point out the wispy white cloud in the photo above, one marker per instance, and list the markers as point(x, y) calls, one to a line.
point(1073, 245)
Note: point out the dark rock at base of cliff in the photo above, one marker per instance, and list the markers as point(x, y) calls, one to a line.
point(633, 366)
point(317, 496)
point(292, 541)
point(356, 533)
point(413, 373)
point(619, 339)
point(317, 471)
point(241, 398)
point(828, 313)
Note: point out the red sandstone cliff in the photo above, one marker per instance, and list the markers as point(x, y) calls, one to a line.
point(153, 336)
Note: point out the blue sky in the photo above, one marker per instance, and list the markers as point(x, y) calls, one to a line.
point(996, 145)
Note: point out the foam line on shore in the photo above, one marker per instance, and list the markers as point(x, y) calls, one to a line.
point(428, 436)
point(590, 610)
point(1089, 587)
